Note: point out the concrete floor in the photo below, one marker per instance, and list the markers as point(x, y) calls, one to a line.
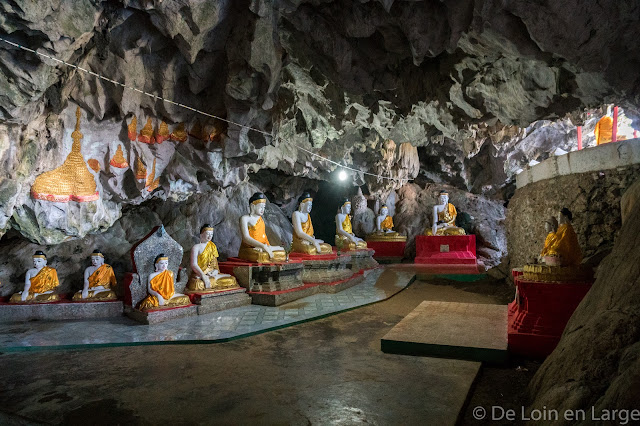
point(329, 371)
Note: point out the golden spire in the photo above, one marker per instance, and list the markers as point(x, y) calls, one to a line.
point(72, 180)
point(179, 134)
point(152, 181)
point(146, 134)
point(141, 169)
point(163, 132)
point(118, 159)
point(132, 129)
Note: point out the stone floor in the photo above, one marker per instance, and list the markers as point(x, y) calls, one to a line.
point(328, 371)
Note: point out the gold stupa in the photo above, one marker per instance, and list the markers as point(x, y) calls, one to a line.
point(118, 159)
point(72, 180)
point(132, 129)
point(141, 169)
point(163, 132)
point(179, 134)
point(152, 182)
point(146, 134)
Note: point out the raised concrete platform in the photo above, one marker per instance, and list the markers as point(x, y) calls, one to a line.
point(324, 268)
point(475, 332)
point(446, 250)
point(63, 310)
point(161, 315)
point(603, 157)
point(387, 251)
point(220, 300)
point(362, 259)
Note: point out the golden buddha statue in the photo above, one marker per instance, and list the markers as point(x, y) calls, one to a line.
point(39, 283)
point(304, 240)
point(344, 231)
point(72, 180)
point(444, 218)
point(205, 275)
point(255, 245)
point(161, 288)
point(99, 280)
point(551, 226)
point(118, 159)
point(384, 228)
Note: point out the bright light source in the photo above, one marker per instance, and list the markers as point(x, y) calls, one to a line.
point(342, 175)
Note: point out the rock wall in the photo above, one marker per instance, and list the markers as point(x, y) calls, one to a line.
point(593, 198)
point(597, 362)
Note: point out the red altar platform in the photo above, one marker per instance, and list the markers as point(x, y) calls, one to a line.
point(539, 314)
point(446, 250)
point(387, 249)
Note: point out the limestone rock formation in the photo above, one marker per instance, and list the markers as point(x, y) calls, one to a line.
point(596, 362)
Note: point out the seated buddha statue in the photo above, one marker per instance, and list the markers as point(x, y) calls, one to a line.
point(444, 218)
point(304, 240)
point(161, 288)
point(205, 275)
point(344, 232)
point(563, 248)
point(551, 226)
point(384, 228)
point(39, 282)
point(99, 280)
point(255, 245)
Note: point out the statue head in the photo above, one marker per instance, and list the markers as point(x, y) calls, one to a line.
point(384, 210)
point(39, 260)
point(565, 216)
point(551, 225)
point(97, 258)
point(345, 208)
point(161, 262)
point(443, 197)
point(206, 233)
point(257, 203)
point(305, 203)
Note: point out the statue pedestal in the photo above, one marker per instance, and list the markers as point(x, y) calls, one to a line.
point(220, 300)
point(270, 284)
point(362, 260)
point(331, 272)
point(134, 291)
point(446, 250)
point(387, 251)
point(63, 309)
point(539, 314)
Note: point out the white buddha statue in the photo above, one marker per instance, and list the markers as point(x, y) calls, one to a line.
point(39, 283)
point(205, 275)
point(161, 287)
point(344, 231)
point(384, 228)
point(255, 245)
point(444, 218)
point(304, 240)
point(99, 280)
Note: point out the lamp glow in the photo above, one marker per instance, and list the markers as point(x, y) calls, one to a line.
point(342, 175)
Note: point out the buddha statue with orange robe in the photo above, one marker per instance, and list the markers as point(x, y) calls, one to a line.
point(384, 228)
point(562, 248)
point(161, 288)
point(39, 283)
point(99, 281)
point(345, 238)
point(444, 218)
point(255, 245)
point(304, 240)
point(205, 275)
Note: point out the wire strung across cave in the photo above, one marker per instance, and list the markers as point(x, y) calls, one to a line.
point(169, 101)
